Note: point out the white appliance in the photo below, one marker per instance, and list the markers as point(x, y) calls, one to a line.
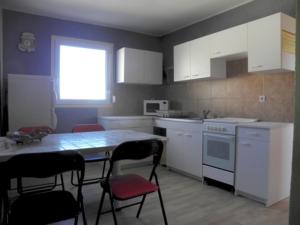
point(151, 107)
point(219, 148)
point(30, 101)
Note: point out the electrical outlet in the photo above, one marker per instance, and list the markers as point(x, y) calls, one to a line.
point(262, 98)
point(114, 99)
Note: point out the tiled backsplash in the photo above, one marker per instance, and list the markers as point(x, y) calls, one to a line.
point(237, 95)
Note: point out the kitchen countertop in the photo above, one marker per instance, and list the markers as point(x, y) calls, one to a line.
point(126, 117)
point(265, 125)
point(186, 120)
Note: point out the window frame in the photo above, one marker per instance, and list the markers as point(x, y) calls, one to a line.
point(56, 42)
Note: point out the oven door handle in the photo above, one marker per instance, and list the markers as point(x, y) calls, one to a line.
point(228, 137)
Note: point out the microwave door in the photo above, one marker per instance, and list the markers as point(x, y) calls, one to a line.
point(152, 107)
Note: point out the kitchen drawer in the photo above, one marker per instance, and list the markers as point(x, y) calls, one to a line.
point(254, 133)
point(187, 126)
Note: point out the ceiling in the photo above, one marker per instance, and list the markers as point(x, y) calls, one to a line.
point(154, 17)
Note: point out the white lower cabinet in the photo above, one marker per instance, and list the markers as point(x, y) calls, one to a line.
point(252, 163)
point(263, 163)
point(184, 150)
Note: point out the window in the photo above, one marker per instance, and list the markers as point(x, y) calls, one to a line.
point(82, 71)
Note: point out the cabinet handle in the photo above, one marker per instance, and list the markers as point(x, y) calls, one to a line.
point(195, 75)
point(188, 135)
point(245, 144)
point(216, 53)
point(258, 66)
point(179, 134)
point(186, 76)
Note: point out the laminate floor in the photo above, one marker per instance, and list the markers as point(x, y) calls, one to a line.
point(187, 202)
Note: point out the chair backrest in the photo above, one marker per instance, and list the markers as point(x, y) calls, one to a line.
point(29, 130)
point(38, 165)
point(137, 150)
point(42, 165)
point(87, 128)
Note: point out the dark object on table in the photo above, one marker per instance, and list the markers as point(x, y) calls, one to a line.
point(21, 137)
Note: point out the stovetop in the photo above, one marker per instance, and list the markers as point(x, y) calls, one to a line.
point(232, 120)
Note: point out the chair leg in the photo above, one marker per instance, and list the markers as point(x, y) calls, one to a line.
point(100, 207)
point(62, 181)
point(140, 207)
point(113, 208)
point(103, 170)
point(162, 207)
point(83, 213)
point(76, 220)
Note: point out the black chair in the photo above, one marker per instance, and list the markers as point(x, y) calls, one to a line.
point(36, 187)
point(91, 158)
point(43, 206)
point(129, 186)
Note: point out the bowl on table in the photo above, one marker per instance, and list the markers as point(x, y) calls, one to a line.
point(24, 138)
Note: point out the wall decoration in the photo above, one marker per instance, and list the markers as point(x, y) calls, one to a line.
point(27, 42)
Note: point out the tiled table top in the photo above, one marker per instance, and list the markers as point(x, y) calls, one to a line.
point(87, 142)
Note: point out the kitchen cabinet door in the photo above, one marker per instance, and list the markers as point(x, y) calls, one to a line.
point(229, 42)
point(252, 167)
point(271, 43)
point(135, 66)
point(134, 63)
point(153, 67)
point(184, 151)
point(175, 149)
point(199, 58)
point(264, 44)
point(182, 62)
point(193, 153)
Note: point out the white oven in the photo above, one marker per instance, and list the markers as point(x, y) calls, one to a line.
point(151, 107)
point(219, 137)
point(219, 151)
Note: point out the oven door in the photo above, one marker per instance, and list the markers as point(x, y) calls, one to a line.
point(219, 151)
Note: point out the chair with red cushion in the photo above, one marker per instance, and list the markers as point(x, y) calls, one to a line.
point(130, 186)
point(91, 158)
point(29, 130)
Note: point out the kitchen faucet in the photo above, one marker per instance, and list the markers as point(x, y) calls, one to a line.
point(205, 113)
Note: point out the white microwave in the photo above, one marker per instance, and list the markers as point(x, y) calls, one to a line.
point(152, 106)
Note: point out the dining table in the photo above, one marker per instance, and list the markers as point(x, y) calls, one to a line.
point(84, 142)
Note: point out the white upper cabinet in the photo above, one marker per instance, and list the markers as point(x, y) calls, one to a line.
point(182, 62)
point(192, 61)
point(228, 42)
point(271, 43)
point(136, 66)
point(153, 67)
point(199, 57)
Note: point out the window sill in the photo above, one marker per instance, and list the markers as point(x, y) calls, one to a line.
point(102, 105)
